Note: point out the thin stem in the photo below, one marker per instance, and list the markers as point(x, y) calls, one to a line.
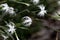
point(24, 11)
point(57, 36)
point(27, 4)
point(16, 36)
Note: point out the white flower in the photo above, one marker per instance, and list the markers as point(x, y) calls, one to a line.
point(11, 10)
point(58, 2)
point(5, 37)
point(7, 9)
point(27, 21)
point(43, 11)
point(11, 26)
point(35, 1)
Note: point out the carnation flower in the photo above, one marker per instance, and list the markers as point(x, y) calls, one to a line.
point(43, 11)
point(11, 10)
point(7, 9)
point(35, 1)
point(27, 21)
point(11, 26)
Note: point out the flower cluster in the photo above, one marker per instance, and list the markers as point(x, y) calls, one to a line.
point(41, 7)
point(26, 20)
point(7, 9)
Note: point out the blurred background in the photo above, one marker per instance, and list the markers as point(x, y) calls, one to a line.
point(45, 26)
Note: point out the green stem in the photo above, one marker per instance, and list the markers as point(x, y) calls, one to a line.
point(24, 11)
point(27, 4)
point(16, 36)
